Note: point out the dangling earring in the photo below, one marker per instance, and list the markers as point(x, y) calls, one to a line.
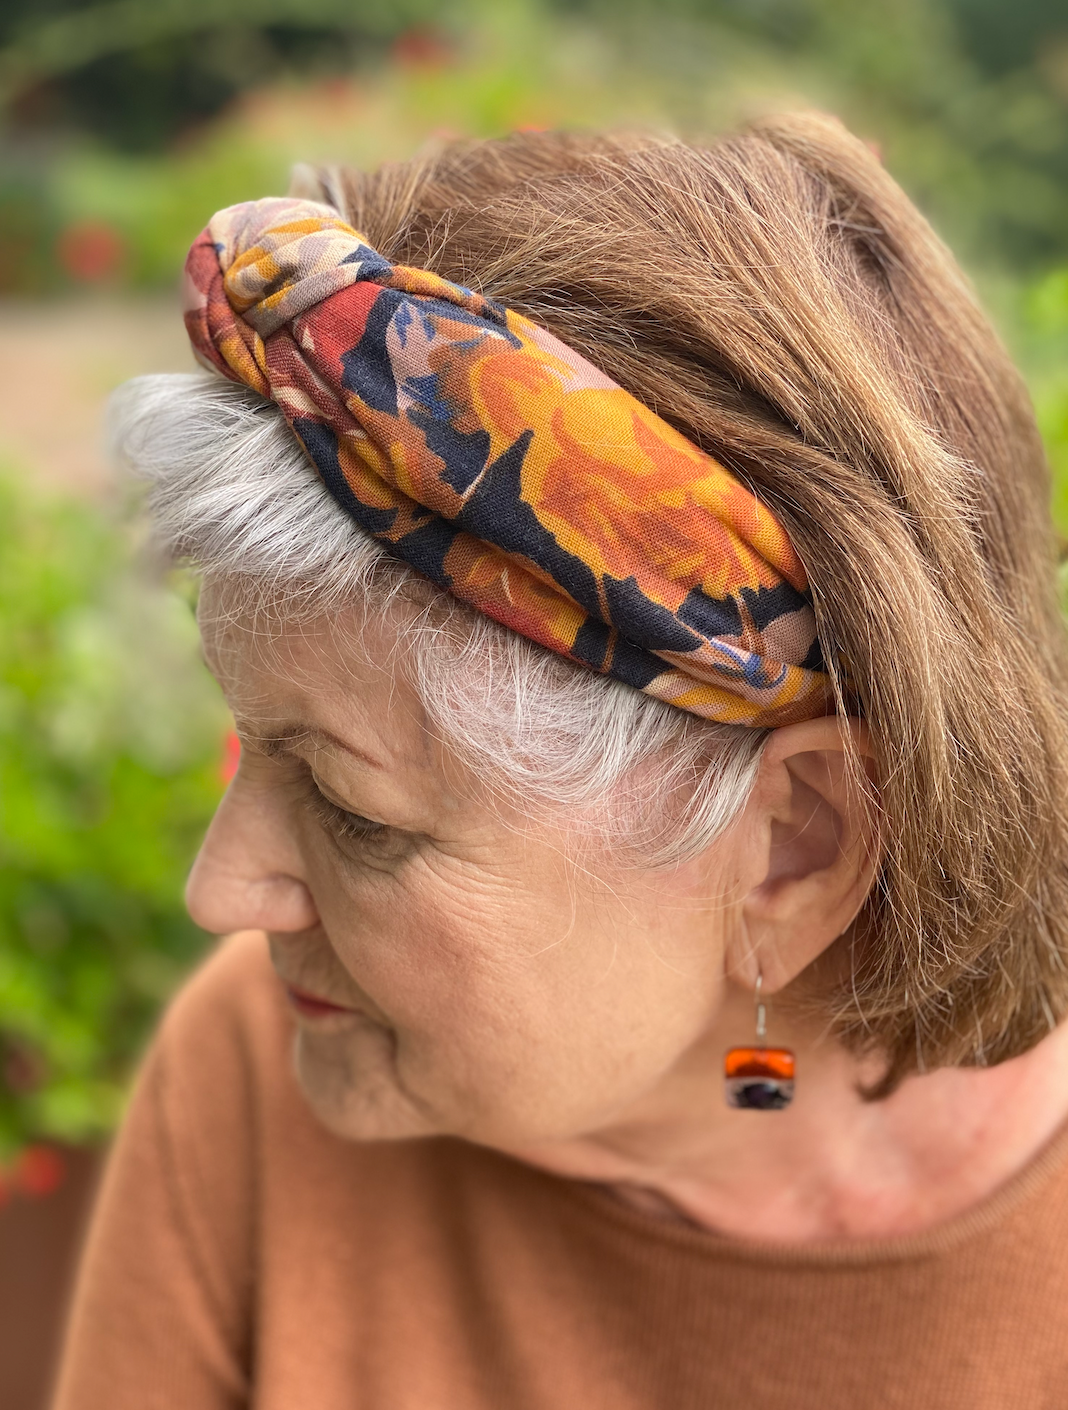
point(759, 1078)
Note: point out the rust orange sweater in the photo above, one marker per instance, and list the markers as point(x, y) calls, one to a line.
point(242, 1256)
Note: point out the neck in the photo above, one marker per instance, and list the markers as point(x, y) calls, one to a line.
point(832, 1165)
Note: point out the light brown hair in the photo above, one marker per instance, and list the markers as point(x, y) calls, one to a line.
point(778, 298)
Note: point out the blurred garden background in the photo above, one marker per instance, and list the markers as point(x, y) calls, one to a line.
point(123, 125)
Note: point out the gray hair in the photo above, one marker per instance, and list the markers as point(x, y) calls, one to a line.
point(232, 492)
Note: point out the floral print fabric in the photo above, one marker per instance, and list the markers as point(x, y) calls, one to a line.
point(506, 468)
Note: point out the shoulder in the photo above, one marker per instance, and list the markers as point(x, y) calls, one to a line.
point(231, 1011)
point(172, 1251)
point(233, 989)
point(221, 1058)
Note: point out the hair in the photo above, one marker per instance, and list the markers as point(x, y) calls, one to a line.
point(778, 299)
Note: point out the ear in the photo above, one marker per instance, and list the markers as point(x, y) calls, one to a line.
point(811, 849)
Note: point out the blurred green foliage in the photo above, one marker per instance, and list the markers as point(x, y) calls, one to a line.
point(136, 73)
point(111, 737)
point(967, 98)
point(125, 123)
point(1041, 342)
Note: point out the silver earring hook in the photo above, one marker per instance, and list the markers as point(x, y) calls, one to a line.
point(761, 1010)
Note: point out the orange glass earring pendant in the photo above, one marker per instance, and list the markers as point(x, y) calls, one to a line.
point(759, 1078)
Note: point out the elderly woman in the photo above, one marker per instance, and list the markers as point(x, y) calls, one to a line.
point(629, 568)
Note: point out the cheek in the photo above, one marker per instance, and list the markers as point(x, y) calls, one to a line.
point(525, 1004)
point(446, 948)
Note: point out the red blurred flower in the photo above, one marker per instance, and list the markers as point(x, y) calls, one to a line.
point(421, 48)
point(90, 250)
point(231, 757)
point(39, 1171)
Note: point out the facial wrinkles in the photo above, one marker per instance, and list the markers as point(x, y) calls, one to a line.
point(456, 923)
point(445, 950)
point(481, 954)
point(360, 731)
point(361, 738)
point(310, 963)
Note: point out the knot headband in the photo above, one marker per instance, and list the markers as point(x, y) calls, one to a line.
point(507, 469)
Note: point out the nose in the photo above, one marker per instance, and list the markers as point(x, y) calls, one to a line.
point(248, 873)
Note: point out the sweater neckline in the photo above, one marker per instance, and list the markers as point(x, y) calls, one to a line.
point(981, 1218)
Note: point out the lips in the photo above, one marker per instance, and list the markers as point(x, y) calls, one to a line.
point(313, 1006)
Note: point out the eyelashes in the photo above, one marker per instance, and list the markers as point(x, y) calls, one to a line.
point(343, 825)
point(358, 836)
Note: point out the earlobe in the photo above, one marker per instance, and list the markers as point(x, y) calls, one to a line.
point(812, 818)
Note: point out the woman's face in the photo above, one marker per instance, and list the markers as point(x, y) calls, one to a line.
point(486, 982)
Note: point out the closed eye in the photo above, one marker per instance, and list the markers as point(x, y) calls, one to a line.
point(344, 825)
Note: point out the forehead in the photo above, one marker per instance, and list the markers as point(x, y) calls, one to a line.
point(336, 674)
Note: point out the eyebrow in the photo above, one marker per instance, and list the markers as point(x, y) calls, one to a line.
point(280, 742)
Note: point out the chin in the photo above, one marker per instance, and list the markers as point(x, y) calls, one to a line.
point(350, 1084)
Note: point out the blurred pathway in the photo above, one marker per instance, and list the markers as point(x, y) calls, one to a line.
point(58, 362)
